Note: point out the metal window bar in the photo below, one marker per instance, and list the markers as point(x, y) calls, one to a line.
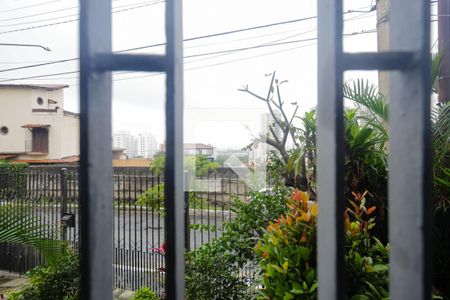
point(409, 158)
point(96, 63)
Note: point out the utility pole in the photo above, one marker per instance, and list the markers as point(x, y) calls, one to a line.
point(444, 50)
point(383, 9)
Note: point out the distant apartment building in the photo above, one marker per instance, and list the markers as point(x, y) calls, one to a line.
point(146, 145)
point(268, 128)
point(34, 127)
point(126, 141)
point(266, 122)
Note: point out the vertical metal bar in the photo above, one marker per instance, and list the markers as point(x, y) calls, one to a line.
point(187, 236)
point(63, 185)
point(174, 153)
point(96, 156)
point(330, 151)
point(409, 159)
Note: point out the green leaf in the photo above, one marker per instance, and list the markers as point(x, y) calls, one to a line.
point(288, 296)
point(270, 270)
point(285, 266)
point(310, 276)
point(277, 268)
point(380, 268)
point(304, 253)
point(359, 297)
point(313, 287)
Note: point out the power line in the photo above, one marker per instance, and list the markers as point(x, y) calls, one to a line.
point(134, 6)
point(239, 59)
point(73, 20)
point(312, 29)
point(202, 54)
point(29, 6)
point(39, 14)
point(45, 12)
point(163, 44)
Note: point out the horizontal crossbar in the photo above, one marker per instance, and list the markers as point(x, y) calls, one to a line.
point(386, 61)
point(130, 62)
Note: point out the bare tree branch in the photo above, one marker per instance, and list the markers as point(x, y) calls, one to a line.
point(273, 133)
point(251, 93)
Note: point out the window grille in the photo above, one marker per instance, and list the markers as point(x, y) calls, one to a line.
point(409, 157)
point(96, 64)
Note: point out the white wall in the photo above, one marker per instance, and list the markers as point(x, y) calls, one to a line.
point(16, 106)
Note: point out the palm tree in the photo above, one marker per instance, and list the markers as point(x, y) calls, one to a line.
point(374, 110)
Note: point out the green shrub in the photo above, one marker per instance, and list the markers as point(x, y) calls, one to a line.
point(14, 180)
point(154, 199)
point(145, 294)
point(60, 281)
point(212, 271)
point(288, 253)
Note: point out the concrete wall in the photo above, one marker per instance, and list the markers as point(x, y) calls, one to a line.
point(14, 110)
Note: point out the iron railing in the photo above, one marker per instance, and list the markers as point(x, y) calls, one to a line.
point(138, 211)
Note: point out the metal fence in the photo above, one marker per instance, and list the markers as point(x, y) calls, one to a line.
point(139, 218)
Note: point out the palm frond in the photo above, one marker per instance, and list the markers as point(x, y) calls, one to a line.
point(441, 135)
point(436, 59)
point(18, 226)
point(371, 104)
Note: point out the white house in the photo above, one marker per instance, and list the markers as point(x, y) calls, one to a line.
point(34, 127)
point(199, 149)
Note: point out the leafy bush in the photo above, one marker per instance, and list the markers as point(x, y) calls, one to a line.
point(287, 253)
point(198, 164)
point(154, 199)
point(145, 294)
point(213, 270)
point(366, 258)
point(60, 281)
point(13, 183)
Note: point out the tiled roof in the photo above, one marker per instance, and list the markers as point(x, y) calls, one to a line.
point(71, 159)
point(35, 126)
point(46, 87)
point(6, 156)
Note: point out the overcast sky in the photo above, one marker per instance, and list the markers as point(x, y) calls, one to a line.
point(216, 113)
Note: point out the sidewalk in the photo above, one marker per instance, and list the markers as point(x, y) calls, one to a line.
point(9, 282)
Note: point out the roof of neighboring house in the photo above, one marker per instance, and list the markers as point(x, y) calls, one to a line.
point(47, 87)
point(71, 114)
point(6, 156)
point(35, 126)
point(197, 146)
point(70, 159)
point(131, 163)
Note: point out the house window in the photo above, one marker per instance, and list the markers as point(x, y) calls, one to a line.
point(40, 101)
point(4, 130)
point(40, 140)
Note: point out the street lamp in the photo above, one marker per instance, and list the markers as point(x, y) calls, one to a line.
point(26, 45)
